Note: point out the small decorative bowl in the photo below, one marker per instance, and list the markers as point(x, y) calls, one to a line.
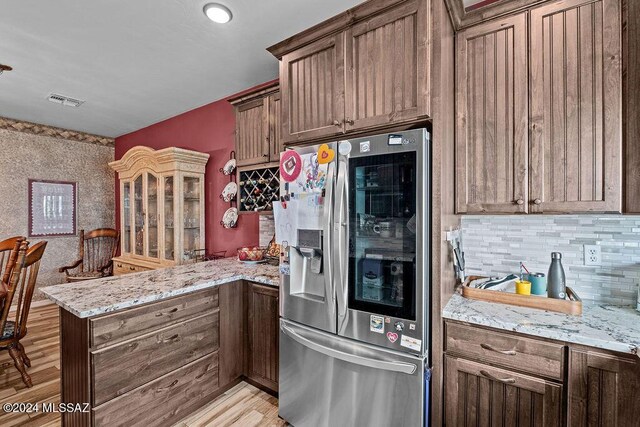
point(251, 254)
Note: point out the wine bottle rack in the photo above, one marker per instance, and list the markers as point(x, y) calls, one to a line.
point(258, 189)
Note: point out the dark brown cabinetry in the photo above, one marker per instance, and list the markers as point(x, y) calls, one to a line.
point(258, 127)
point(360, 70)
point(477, 394)
point(576, 97)
point(498, 378)
point(604, 389)
point(492, 111)
point(569, 160)
point(262, 334)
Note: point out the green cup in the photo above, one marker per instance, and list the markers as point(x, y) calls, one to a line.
point(538, 283)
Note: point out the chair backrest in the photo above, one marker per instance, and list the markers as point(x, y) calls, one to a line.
point(97, 247)
point(8, 248)
point(23, 282)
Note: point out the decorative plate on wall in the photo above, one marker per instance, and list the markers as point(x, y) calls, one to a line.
point(229, 192)
point(230, 218)
point(228, 167)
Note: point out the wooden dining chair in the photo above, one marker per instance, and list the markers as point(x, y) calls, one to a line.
point(8, 247)
point(17, 303)
point(97, 248)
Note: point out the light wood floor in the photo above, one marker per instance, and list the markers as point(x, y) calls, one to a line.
point(243, 405)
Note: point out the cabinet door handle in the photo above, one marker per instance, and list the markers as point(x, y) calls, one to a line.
point(537, 201)
point(502, 380)
point(520, 202)
point(337, 123)
point(132, 268)
point(349, 122)
point(491, 348)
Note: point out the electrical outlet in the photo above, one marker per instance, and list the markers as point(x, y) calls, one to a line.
point(592, 255)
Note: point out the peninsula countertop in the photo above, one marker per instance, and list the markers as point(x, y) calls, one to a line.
point(99, 296)
point(603, 326)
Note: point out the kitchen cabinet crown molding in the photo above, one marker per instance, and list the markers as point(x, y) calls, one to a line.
point(262, 92)
point(462, 18)
point(332, 25)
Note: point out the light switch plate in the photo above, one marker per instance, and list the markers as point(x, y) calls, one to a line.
point(592, 255)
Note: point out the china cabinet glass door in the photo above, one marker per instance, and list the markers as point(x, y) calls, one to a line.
point(126, 217)
point(138, 212)
point(152, 214)
point(168, 218)
point(191, 217)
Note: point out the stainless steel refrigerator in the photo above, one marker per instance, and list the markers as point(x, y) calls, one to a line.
point(354, 313)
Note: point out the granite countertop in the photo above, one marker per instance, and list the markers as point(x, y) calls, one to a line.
point(94, 297)
point(603, 326)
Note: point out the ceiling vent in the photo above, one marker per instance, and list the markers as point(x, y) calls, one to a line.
point(65, 100)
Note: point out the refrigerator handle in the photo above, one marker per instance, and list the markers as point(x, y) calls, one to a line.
point(396, 366)
point(327, 240)
point(342, 243)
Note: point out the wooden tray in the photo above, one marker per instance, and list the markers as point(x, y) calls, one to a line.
point(572, 305)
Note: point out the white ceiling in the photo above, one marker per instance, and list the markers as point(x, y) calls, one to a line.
point(138, 62)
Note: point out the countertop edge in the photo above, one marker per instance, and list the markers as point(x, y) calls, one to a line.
point(537, 330)
point(154, 297)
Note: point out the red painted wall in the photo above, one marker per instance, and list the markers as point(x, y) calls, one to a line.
point(208, 129)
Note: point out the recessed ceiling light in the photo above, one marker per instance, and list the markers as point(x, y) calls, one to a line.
point(217, 13)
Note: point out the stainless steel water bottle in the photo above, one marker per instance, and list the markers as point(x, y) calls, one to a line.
point(556, 280)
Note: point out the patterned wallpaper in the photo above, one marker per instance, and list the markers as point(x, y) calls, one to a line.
point(25, 155)
point(495, 245)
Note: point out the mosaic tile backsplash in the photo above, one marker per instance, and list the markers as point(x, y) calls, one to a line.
point(495, 245)
point(267, 229)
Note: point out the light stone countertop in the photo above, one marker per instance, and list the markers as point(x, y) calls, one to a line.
point(94, 297)
point(603, 326)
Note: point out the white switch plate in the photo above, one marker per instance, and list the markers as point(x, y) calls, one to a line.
point(592, 255)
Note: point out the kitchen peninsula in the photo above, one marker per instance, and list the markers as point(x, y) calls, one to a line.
point(165, 342)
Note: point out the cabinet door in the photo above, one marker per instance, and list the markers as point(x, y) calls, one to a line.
point(252, 140)
point(604, 390)
point(477, 394)
point(491, 123)
point(576, 107)
point(275, 127)
point(312, 89)
point(387, 76)
point(262, 308)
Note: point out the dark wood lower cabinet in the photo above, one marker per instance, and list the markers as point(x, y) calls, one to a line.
point(482, 395)
point(262, 327)
point(604, 389)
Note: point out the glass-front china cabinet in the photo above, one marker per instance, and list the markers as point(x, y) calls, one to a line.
point(161, 208)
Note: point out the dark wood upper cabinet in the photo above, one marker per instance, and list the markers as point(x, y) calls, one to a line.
point(365, 69)
point(312, 90)
point(604, 390)
point(263, 332)
point(576, 115)
point(258, 127)
point(387, 75)
point(477, 394)
point(491, 98)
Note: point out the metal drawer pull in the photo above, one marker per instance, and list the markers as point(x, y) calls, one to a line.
point(168, 387)
point(171, 338)
point(502, 380)
point(173, 310)
point(506, 352)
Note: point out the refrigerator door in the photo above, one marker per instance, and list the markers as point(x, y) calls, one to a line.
point(327, 380)
point(306, 293)
point(380, 228)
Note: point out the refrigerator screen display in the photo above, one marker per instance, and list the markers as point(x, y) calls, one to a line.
point(382, 234)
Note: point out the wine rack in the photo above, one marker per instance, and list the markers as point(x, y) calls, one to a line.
point(258, 189)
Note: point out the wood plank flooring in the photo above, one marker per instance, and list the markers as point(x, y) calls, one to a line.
point(243, 405)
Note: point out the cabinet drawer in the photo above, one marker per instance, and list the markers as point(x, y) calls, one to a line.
point(165, 400)
point(511, 351)
point(140, 320)
point(120, 268)
point(120, 368)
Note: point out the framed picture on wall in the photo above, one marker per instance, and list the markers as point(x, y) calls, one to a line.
point(52, 208)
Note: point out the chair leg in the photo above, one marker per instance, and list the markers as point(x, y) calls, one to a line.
point(17, 361)
point(25, 358)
